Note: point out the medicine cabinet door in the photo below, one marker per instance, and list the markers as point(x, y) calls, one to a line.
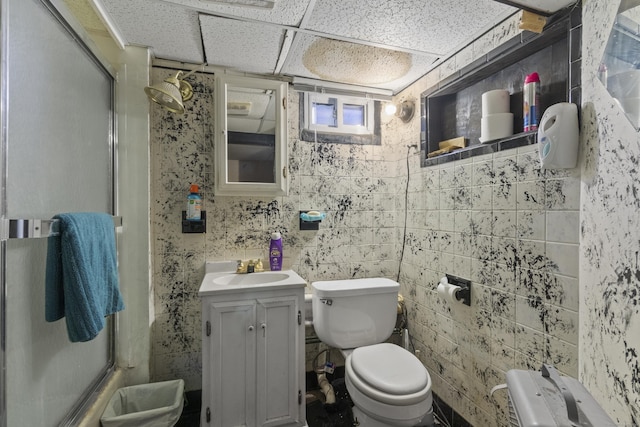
point(251, 137)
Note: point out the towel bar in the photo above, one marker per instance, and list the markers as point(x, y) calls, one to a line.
point(35, 228)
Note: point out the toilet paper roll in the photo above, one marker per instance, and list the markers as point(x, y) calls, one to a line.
point(495, 102)
point(451, 293)
point(447, 291)
point(496, 126)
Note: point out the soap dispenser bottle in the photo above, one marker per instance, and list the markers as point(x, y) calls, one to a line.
point(194, 204)
point(275, 252)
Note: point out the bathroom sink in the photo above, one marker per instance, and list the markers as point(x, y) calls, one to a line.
point(250, 278)
point(222, 278)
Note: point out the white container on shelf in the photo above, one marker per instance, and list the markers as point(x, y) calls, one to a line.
point(495, 102)
point(496, 126)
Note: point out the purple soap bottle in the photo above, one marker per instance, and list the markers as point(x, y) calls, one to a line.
point(275, 252)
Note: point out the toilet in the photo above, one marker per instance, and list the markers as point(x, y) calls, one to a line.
point(388, 385)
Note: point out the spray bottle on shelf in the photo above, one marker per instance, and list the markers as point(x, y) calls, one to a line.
point(531, 107)
point(194, 204)
point(275, 252)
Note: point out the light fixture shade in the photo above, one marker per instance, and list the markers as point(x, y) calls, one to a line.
point(406, 110)
point(171, 93)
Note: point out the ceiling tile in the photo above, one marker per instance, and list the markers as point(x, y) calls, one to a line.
point(246, 46)
point(360, 66)
point(285, 12)
point(436, 27)
point(171, 31)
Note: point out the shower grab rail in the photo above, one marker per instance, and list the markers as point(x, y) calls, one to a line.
point(35, 228)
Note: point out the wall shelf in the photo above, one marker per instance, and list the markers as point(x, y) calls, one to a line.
point(515, 141)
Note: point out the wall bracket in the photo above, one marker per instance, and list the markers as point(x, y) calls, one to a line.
point(197, 226)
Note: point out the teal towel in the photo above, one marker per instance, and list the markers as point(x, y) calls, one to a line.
point(82, 274)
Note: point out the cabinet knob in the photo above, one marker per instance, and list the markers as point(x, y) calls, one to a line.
point(251, 327)
point(264, 329)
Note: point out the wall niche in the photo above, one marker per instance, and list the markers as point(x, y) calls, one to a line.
point(453, 107)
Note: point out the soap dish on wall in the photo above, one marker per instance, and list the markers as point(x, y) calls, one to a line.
point(310, 220)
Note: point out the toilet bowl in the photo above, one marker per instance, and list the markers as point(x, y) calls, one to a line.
point(388, 385)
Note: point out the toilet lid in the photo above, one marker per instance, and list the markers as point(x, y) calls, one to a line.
point(389, 368)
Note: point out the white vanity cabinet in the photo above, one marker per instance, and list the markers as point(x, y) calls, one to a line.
point(253, 356)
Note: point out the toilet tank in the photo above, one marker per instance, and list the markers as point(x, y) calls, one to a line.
point(354, 313)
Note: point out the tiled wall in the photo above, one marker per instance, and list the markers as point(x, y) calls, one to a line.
point(513, 230)
point(610, 236)
point(354, 185)
point(495, 219)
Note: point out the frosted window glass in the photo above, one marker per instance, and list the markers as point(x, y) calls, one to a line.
point(59, 144)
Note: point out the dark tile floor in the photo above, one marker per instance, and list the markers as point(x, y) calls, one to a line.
point(318, 414)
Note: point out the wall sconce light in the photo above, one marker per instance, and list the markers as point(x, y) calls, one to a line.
point(404, 110)
point(171, 93)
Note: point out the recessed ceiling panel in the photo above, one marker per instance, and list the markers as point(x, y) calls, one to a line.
point(171, 31)
point(285, 12)
point(344, 62)
point(427, 26)
point(245, 46)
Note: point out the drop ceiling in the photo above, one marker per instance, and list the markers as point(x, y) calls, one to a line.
point(386, 44)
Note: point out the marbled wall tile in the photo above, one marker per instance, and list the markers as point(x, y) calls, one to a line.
point(482, 197)
point(462, 266)
point(504, 223)
point(563, 226)
point(529, 165)
point(531, 344)
point(530, 195)
point(531, 254)
point(463, 173)
point(447, 177)
point(481, 222)
point(563, 355)
point(562, 323)
point(562, 194)
point(448, 199)
point(447, 220)
point(483, 44)
point(531, 224)
point(565, 257)
point(504, 196)
point(531, 312)
point(504, 250)
point(503, 306)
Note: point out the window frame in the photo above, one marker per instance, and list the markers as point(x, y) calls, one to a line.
point(369, 133)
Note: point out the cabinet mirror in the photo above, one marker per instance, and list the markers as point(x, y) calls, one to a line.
point(620, 66)
point(251, 137)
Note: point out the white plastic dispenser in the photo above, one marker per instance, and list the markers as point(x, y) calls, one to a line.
point(558, 136)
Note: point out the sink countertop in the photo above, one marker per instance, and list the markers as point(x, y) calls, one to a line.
point(224, 282)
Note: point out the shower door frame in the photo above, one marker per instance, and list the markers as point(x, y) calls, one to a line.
point(61, 13)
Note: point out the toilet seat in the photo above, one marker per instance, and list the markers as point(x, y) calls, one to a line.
point(389, 374)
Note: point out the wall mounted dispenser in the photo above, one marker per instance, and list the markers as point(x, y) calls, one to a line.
point(558, 136)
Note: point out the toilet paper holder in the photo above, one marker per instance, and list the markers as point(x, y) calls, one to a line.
point(464, 293)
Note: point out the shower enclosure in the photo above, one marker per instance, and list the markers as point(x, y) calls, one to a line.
point(58, 144)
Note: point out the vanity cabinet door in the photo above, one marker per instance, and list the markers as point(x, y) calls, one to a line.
point(278, 342)
point(253, 360)
point(229, 364)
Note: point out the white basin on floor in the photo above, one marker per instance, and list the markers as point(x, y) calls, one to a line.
point(222, 278)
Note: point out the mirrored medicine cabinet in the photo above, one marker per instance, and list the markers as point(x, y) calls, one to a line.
point(251, 137)
point(619, 68)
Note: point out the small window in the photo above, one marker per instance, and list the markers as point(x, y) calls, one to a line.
point(339, 119)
